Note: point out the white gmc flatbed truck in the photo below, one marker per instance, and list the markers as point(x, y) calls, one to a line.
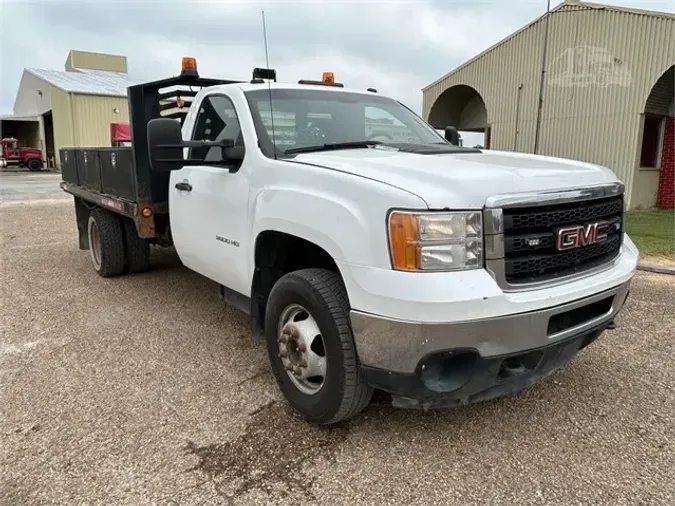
point(370, 251)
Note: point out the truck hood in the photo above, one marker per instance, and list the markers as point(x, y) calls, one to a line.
point(30, 151)
point(461, 180)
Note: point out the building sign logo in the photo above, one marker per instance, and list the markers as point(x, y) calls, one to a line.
point(576, 236)
point(584, 66)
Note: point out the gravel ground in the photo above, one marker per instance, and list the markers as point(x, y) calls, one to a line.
point(19, 184)
point(146, 389)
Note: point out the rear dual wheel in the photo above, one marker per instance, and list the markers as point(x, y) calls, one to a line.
point(311, 348)
point(106, 245)
point(114, 244)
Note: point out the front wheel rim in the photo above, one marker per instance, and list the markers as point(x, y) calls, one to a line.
point(302, 350)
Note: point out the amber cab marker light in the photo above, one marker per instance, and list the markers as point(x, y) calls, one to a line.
point(146, 212)
point(328, 77)
point(404, 234)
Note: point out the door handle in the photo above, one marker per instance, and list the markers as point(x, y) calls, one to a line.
point(184, 186)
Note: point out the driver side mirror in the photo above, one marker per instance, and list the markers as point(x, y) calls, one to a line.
point(166, 144)
point(452, 135)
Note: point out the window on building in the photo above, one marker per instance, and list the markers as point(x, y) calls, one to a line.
point(651, 141)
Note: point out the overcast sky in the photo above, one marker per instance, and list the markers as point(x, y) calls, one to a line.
point(396, 46)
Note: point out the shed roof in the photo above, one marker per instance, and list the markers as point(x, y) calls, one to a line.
point(85, 81)
point(12, 117)
point(567, 4)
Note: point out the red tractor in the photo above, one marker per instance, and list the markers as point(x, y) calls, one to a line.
point(13, 154)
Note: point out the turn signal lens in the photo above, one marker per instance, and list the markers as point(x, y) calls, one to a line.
point(146, 212)
point(404, 236)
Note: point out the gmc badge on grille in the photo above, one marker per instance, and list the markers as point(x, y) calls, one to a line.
point(578, 235)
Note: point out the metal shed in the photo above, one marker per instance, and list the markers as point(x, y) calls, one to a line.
point(605, 78)
point(75, 106)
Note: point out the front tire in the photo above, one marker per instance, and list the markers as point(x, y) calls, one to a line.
point(311, 348)
point(34, 165)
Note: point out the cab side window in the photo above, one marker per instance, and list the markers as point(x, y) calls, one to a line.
point(216, 120)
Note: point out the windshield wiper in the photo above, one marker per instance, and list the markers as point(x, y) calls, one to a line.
point(332, 146)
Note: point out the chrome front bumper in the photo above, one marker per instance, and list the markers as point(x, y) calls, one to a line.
point(400, 346)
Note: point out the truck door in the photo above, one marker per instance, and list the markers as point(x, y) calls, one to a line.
point(209, 204)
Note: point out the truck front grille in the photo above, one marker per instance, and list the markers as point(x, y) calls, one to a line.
point(540, 239)
point(543, 243)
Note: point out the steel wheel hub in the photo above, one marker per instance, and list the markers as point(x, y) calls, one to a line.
point(301, 349)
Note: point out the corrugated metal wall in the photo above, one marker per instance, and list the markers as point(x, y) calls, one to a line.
point(602, 65)
point(84, 120)
point(62, 120)
point(93, 115)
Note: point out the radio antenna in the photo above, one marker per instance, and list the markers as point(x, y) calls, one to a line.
point(269, 86)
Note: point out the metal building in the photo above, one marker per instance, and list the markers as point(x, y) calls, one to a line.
point(70, 107)
point(605, 76)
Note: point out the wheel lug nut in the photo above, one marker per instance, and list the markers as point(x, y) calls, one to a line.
point(283, 354)
point(297, 371)
point(289, 367)
point(283, 339)
point(303, 364)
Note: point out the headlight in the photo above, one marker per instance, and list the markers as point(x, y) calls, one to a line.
point(436, 241)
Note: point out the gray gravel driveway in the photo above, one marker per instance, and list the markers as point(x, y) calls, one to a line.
point(146, 389)
point(21, 184)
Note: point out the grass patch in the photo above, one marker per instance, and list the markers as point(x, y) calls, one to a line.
point(653, 232)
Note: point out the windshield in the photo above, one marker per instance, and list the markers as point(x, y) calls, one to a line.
point(304, 119)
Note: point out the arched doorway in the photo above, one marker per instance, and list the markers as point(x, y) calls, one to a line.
point(463, 107)
point(657, 150)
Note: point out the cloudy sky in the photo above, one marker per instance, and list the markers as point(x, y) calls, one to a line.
point(396, 46)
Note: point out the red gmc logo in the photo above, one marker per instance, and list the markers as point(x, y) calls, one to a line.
point(579, 235)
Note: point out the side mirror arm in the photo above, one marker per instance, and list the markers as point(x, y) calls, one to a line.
point(224, 144)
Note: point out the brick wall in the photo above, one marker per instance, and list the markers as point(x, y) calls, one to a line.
point(666, 193)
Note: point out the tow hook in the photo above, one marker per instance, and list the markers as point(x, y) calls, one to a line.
point(611, 325)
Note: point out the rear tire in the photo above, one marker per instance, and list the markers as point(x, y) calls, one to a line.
point(34, 165)
point(106, 243)
point(321, 295)
point(137, 248)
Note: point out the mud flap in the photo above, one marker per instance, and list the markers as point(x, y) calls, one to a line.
point(82, 216)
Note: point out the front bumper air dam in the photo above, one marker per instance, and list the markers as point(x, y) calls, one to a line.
point(454, 370)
